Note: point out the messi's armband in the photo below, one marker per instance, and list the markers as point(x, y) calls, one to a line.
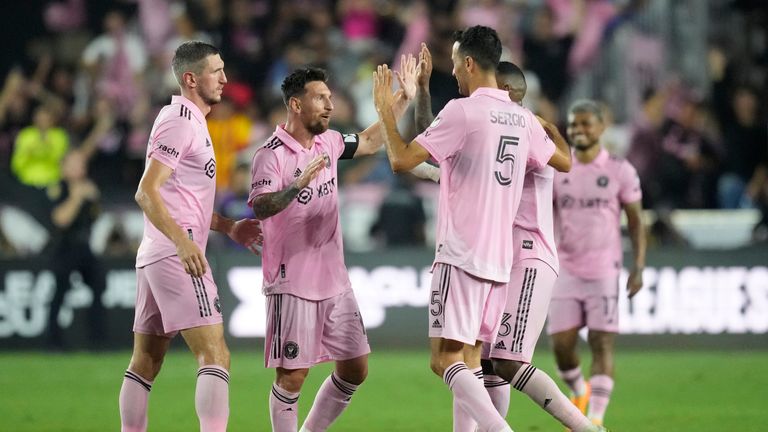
point(351, 141)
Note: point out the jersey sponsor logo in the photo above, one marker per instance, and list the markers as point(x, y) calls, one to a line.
point(305, 195)
point(207, 142)
point(167, 150)
point(569, 202)
point(528, 244)
point(500, 345)
point(291, 350)
point(436, 324)
point(326, 188)
point(262, 182)
point(602, 181)
point(273, 143)
point(210, 168)
point(507, 118)
point(296, 173)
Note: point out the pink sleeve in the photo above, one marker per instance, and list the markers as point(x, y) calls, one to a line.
point(171, 142)
point(335, 142)
point(447, 133)
point(630, 184)
point(265, 174)
point(542, 147)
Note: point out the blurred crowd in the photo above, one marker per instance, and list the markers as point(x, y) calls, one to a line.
point(89, 76)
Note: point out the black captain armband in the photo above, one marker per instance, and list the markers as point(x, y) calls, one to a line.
point(351, 141)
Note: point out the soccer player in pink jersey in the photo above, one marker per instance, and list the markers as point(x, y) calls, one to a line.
point(588, 201)
point(175, 292)
point(314, 316)
point(529, 291)
point(483, 144)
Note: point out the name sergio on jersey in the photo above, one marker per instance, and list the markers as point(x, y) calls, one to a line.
point(507, 118)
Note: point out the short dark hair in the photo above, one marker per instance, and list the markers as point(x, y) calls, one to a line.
point(482, 44)
point(189, 57)
point(295, 83)
point(510, 69)
point(586, 106)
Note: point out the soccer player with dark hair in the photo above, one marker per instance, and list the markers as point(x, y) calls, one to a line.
point(529, 291)
point(175, 292)
point(483, 144)
point(313, 313)
point(588, 202)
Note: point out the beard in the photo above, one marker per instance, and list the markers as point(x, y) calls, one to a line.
point(316, 127)
point(585, 146)
point(211, 100)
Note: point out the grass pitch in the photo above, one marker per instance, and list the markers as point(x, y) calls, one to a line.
point(655, 391)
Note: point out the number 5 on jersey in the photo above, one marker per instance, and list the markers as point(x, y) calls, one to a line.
point(505, 157)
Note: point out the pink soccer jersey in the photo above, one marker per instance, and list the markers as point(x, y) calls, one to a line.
point(588, 201)
point(533, 230)
point(180, 140)
point(483, 144)
point(303, 253)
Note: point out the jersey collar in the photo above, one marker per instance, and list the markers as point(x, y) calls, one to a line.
point(599, 160)
point(501, 95)
point(290, 141)
point(190, 105)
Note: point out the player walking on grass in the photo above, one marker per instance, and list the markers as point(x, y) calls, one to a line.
point(533, 275)
point(588, 201)
point(175, 292)
point(313, 313)
point(483, 144)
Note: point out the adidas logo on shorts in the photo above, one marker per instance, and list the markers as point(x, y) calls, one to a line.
point(500, 346)
point(436, 324)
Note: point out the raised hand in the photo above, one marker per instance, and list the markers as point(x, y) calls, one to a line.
point(406, 77)
point(424, 68)
point(310, 171)
point(383, 98)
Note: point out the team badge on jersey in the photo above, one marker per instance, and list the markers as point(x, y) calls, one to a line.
point(210, 168)
point(602, 181)
point(217, 304)
point(327, 160)
point(291, 350)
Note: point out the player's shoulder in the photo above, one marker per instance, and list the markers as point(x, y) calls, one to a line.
point(273, 144)
point(175, 114)
point(330, 136)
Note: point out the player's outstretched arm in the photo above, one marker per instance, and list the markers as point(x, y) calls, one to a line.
point(634, 212)
point(402, 156)
point(149, 199)
point(423, 111)
point(270, 204)
point(246, 232)
point(371, 139)
point(561, 159)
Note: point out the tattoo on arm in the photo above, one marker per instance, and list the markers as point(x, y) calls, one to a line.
point(270, 204)
point(423, 110)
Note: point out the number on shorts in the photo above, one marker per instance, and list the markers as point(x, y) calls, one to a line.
point(436, 301)
point(609, 307)
point(505, 328)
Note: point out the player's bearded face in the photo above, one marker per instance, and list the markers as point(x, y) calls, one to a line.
point(584, 130)
point(316, 107)
point(211, 80)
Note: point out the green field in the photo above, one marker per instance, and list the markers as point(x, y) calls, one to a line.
point(655, 391)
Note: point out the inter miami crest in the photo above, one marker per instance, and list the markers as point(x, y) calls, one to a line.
point(291, 350)
point(602, 181)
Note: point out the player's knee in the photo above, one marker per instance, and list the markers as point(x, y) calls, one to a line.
point(146, 365)
point(355, 376)
point(506, 369)
point(291, 379)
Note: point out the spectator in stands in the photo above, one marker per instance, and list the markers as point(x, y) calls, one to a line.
point(230, 130)
point(401, 216)
point(546, 54)
point(75, 203)
point(746, 146)
point(38, 151)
